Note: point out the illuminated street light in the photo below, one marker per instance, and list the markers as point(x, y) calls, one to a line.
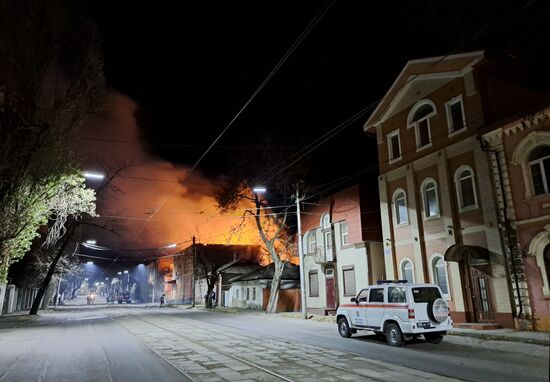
point(90, 241)
point(90, 262)
point(259, 189)
point(93, 175)
point(173, 245)
point(119, 273)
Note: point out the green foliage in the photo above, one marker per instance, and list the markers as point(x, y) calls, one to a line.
point(32, 207)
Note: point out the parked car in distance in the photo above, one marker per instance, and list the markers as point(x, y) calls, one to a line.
point(124, 297)
point(111, 298)
point(400, 310)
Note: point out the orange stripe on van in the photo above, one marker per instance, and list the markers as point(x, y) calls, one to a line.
point(390, 306)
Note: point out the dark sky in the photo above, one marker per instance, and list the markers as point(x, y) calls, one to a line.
point(192, 66)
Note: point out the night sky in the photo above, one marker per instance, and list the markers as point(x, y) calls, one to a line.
point(192, 66)
point(179, 72)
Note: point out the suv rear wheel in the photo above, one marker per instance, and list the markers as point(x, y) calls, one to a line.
point(343, 328)
point(394, 336)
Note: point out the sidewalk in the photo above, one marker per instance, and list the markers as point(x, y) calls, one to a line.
point(538, 338)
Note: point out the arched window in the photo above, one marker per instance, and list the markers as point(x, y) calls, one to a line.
point(325, 221)
point(429, 198)
point(539, 164)
point(419, 118)
point(439, 272)
point(311, 242)
point(400, 207)
point(466, 188)
point(407, 271)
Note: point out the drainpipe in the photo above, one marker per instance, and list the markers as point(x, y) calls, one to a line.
point(506, 224)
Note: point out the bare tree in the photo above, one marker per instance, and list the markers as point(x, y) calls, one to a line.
point(272, 211)
point(209, 260)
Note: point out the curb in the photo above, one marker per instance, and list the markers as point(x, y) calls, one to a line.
point(492, 337)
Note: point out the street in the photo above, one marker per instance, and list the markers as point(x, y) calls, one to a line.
point(139, 343)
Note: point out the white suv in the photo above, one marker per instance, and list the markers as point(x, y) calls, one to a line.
point(400, 310)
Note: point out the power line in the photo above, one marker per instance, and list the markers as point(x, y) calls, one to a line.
point(325, 137)
point(292, 48)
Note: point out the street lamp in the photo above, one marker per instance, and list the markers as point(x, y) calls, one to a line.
point(261, 189)
point(93, 175)
point(91, 241)
point(128, 283)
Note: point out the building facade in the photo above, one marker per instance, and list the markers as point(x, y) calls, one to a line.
point(342, 247)
point(253, 289)
point(521, 154)
point(439, 217)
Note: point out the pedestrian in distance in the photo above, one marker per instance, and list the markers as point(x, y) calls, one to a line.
point(162, 298)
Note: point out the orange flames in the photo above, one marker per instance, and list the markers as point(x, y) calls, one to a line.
point(151, 207)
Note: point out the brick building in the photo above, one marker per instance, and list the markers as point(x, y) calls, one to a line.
point(440, 221)
point(521, 158)
point(342, 247)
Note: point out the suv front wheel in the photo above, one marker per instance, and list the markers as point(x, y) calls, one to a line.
point(343, 328)
point(394, 336)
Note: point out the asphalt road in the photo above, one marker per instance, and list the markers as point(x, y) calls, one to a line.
point(454, 357)
point(84, 344)
point(106, 343)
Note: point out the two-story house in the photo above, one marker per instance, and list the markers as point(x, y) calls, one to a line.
point(342, 247)
point(440, 221)
point(520, 149)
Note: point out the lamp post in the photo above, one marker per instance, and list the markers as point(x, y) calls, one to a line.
point(128, 281)
point(259, 189)
point(301, 256)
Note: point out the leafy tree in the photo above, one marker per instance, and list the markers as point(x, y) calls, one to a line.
point(51, 79)
point(71, 201)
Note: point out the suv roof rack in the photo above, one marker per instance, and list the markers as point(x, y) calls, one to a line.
point(380, 282)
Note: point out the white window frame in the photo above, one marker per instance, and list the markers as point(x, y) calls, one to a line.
point(424, 201)
point(458, 186)
point(344, 234)
point(402, 271)
point(433, 259)
point(390, 148)
point(450, 126)
point(395, 211)
point(311, 235)
point(415, 124)
point(520, 157)
point(539, 162)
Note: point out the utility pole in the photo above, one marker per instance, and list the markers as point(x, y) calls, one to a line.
point(154, 280)
point(193, 274)
point(301, 256)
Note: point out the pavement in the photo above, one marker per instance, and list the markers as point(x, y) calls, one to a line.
point(146, 343)
point(530, 337)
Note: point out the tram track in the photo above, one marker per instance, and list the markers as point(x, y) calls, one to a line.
point(255, 341)
point(211, 348)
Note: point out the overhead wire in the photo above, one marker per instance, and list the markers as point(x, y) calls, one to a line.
point(292, 48)
point(329, 134)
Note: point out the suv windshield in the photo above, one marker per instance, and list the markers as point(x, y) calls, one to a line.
point(425, 294)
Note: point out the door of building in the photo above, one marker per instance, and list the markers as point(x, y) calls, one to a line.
point(329, 288)
point(482, 295)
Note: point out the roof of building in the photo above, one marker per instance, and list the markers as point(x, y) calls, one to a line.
point(290, 272)
point(423, 75)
